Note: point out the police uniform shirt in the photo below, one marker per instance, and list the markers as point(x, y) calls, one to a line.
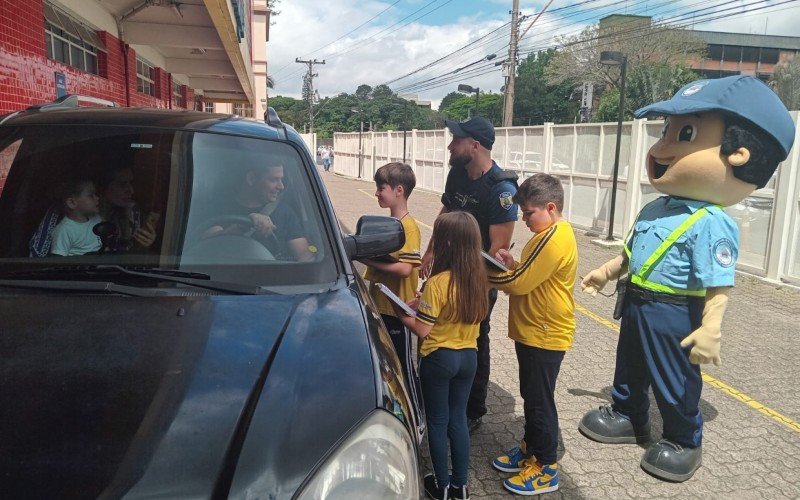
point(703, 256)
point(405, 288)
point(436, 309)
point(494, 207)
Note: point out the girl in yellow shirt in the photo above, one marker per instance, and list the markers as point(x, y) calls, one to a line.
point(453, 302)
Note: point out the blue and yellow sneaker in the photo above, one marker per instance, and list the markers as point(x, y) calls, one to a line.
point(513, 461)
point(534, 479)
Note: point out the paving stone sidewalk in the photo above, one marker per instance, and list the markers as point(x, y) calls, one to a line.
point(751, 404)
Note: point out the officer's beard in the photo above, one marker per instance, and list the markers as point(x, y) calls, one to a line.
point(460, 161)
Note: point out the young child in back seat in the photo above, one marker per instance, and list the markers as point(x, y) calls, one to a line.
point(74, 234)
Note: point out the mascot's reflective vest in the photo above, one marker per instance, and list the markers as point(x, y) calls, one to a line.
point(640, 277)
point(472, 204)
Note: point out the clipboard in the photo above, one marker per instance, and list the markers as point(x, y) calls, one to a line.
point(397, 300)
point(494, 263)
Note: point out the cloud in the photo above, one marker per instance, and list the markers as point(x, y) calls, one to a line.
point(299, 30)
point(376, 53)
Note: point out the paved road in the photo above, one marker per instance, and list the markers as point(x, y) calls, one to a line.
point(751, 404)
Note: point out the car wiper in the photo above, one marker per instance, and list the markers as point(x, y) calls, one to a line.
point(198, 280)
point(83, 286)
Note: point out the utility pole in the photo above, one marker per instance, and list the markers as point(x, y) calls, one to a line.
point(308, 88)
point(510, 68)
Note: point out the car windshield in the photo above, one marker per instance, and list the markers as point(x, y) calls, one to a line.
point(205, 205)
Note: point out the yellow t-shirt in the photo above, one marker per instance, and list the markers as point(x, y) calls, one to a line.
point(405, 288)
point(541, 309)
point(436, 309)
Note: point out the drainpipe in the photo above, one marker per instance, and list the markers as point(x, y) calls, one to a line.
point(124, 46)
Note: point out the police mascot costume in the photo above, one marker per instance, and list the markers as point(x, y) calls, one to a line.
point(721, 140)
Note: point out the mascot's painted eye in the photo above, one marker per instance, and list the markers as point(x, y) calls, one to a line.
point(687, 133)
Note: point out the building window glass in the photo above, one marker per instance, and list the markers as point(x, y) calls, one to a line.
point(69, 41)
point(733, 53)
point(144, 77)
point(750, 54)
point(208, 107)
point(243, 109)
point(715, 52)
point(769, 56)
point(66, 48)
point(177, 95)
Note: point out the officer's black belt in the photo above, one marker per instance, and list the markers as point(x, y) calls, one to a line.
point(642, 294)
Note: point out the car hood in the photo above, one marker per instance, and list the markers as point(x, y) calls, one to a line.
point(123, 396)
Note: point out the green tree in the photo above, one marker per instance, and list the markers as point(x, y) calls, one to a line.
point(786, 83)
point(578, 57)
point(491, 108)
point(536, 101)
point(450, 99)
point(646, 84)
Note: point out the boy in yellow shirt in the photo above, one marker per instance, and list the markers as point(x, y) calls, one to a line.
point(541, 321)
point(394, 183)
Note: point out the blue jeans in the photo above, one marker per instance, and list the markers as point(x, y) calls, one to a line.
point(446, 376)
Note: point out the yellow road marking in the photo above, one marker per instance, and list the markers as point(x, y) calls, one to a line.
point(419, 222)
point(713, 382)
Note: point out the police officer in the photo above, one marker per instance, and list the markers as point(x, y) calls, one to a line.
point(476, 184)
point(721, 140)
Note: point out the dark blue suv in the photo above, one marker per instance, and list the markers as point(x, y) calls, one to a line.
point(181, 317)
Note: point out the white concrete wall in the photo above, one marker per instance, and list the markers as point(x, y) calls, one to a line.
point(582, 156)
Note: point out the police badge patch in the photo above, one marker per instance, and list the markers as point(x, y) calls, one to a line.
point(724, 253)
point(505, 200)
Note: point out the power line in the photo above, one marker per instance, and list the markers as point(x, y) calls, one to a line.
point(360, 43)
point(349, 32)
point(444, 80)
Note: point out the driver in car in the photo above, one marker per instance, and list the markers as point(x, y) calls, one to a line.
point(272, 223)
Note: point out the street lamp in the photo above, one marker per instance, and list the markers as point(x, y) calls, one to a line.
point(612, 58)
point(360, 132)
point(466, 88)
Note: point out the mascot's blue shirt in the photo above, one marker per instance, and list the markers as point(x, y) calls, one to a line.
point(704, 256)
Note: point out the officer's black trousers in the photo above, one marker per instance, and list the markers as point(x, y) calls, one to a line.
point(476, 405)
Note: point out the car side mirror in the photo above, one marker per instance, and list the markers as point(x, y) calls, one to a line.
point(376, 235)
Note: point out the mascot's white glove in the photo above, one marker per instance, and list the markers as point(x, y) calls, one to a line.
point(597, 279)
point(705, 340)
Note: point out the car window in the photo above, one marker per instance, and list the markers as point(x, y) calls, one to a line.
point(239, 209)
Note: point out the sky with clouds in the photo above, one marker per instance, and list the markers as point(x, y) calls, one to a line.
point(375, 42)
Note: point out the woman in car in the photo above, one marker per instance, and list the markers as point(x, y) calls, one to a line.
point(118, 206)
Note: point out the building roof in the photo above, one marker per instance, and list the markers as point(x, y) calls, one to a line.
point(749, 40)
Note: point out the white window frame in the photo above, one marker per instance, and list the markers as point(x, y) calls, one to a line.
point(243, 109)
point(208, 106)
point(145, 83)
point(71, 42)
point(177, 96)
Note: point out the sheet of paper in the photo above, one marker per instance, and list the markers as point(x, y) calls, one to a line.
point(397, 300)
point(494, 262)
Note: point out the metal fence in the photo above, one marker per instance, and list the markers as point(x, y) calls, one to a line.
point(582, 156)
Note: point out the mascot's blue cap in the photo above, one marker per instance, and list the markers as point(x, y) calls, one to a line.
point(743, 96)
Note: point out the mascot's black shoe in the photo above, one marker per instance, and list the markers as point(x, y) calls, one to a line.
point(671, 462)
point(608, 426)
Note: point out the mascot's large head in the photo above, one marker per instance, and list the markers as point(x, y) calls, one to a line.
point(722, 139)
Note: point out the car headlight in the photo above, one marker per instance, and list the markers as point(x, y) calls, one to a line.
point(378, 460)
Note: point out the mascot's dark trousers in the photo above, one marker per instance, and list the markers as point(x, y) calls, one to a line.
point(649, 352)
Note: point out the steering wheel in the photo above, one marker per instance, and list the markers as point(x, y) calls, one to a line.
point(226, 247)
point(226, 220)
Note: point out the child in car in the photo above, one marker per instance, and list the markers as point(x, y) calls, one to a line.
point(80, 205)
